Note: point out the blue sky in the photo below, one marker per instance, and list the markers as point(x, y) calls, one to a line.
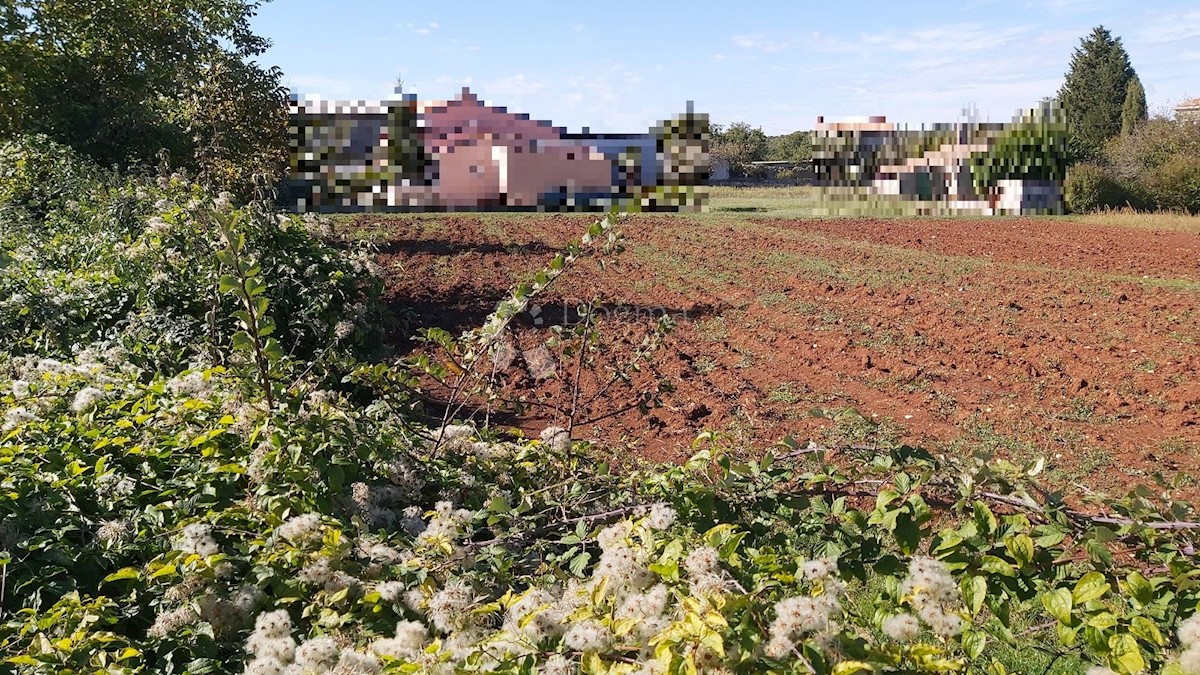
point(620, 66)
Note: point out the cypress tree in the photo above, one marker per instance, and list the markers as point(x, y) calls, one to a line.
point(1134, 110)
point(1094, 92)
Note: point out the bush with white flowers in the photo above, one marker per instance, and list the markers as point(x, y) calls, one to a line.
point(215, 483)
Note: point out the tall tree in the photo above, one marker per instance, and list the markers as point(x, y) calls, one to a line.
point(1094, 91)
point(739, 144)
point(123, 80)
point(1133, 112)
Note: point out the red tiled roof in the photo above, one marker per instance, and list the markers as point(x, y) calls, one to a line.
point(1192, 103)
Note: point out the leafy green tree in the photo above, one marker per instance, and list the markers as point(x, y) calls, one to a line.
point(1133, 112)
point(123, 80)
point(793, 147)
point(739, 144)
point(1094, 91)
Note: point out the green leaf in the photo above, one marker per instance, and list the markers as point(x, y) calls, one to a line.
point(228, 283)
point(1124, 655)
point(1090, 586)
point(974, 590)
point(273, 349)
point(1066, 634)
point(242, 341)
point(1098, 552)
point(973, 643)
point(886, 496)
point(1020, 548)
point(995, 565)
point(123, 573)
point(1147, 631)
point(165, 570)
point(1140, 587)
point(984, 518)
point(1058, 603)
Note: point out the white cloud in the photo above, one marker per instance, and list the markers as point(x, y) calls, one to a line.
point(760, 43)
point(420, 30)
point(949, 39)
point(719, 57)
point(1170, 27)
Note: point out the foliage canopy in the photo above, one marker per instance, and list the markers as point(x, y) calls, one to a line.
point(1094, 92)
point(124, 81)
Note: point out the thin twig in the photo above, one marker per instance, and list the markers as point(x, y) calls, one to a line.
point(583, 344)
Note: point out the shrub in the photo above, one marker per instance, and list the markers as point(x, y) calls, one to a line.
point(97, 256)
point(1156, 164)
point(1174, 185)
point(36, 172)
point(1090, 187)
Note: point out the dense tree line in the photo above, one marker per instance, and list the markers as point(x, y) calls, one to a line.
point(1120, 157)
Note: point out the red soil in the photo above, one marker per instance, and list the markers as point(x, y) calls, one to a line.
point(1028, 337)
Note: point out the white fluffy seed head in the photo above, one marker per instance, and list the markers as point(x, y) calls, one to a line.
point(86, 398)
point(902, 627)
point(317, 655)
point(702, 561)
point(1189, 631)
point(448, 607)
point(301, 529)
point(281, 649)
point(265, 666)
point(274, 624)
point(1189, 661)
point(557, 665)
point(197, 538)
point(819, 568)
point(356, 663)
point(391, 591)
point(114, 532)
point(20, 388)
point(661, 517)
point(588, 636)
point(779, 647)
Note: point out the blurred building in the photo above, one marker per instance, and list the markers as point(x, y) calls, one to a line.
point(1188, 111)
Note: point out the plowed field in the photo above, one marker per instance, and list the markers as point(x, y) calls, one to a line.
point(1025, 337)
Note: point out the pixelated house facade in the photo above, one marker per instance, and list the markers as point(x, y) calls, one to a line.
point(872, 156)
point(1188, 111)
point(463, 154)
